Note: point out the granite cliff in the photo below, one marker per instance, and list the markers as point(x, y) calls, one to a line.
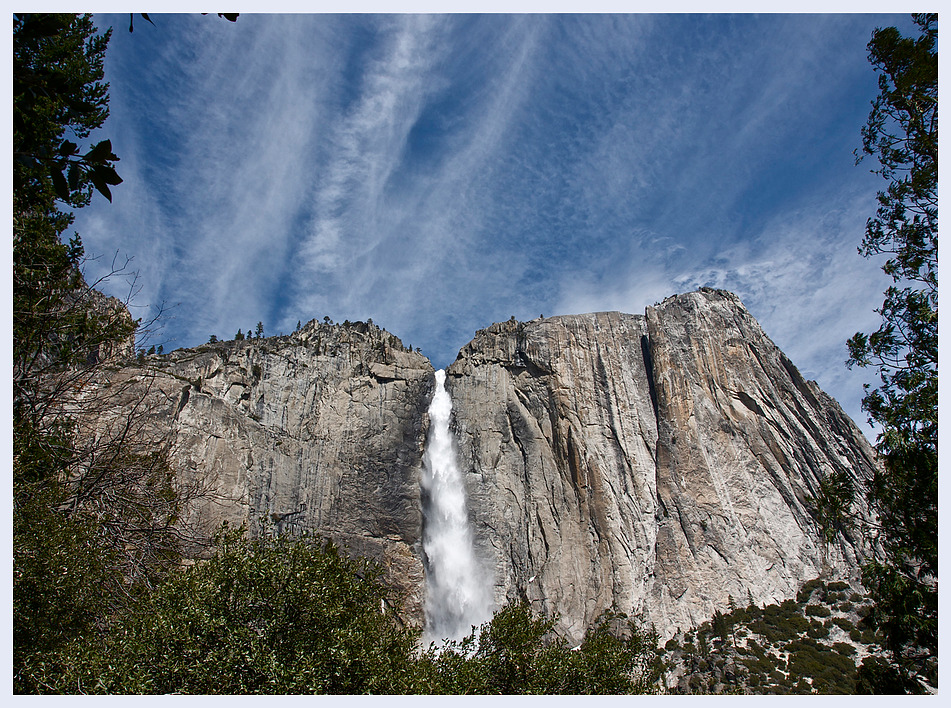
point(320, 431)
point(659, 463)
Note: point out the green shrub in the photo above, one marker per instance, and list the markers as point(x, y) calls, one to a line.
point(517, 653)
point(877, 676)
point(805, 592)
point(843, 623)
point(756, 649)
point(837, 586)
point(790, 606)
point(830, 672)
point(818, 611)
point(270, 615)
point(843, 648)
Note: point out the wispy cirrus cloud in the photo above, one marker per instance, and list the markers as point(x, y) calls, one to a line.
point(215, 132)
point(398, 217)
point(440, 172)
point(800, 276)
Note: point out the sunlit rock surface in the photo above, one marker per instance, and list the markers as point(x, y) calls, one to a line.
point(655, 463)
point(322, 431)
point(658, 463)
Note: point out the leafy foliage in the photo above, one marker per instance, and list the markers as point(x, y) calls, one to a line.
point(902, 132)
point(785, 648)
point(59, 569)
point(58, 97)
point(281, 614)
point(832, 504)
point(518, 653)
point(268, 615)
point(93, 515)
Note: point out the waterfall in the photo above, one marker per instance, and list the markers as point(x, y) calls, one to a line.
point(458, 591)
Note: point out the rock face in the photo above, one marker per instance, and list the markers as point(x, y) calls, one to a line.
point(322, 430)
point(657, 463)
point(556, 424)
point(743, 441)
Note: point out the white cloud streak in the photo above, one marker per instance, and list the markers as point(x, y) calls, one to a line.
point(389, 239)
point(801, 277)
point(210, 205)
point(438, 173)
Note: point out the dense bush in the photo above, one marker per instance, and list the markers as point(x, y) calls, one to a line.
point(843, 623)
point(830, 671)
point(878, 676)
point(844, 649)
point(272, 615)
point(282, 615)
point(789, 628)
point(805, 592)
point(518, 653)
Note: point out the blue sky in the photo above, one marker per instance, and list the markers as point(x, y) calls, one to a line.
point(440, 173)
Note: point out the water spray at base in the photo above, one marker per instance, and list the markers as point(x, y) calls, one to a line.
point(458, 591)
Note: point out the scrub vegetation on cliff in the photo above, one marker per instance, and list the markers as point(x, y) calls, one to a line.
point(822, 642)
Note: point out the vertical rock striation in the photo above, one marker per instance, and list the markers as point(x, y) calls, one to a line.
point(555, 422)
point(655, 463)
point(322, 431)
point(743, 441)
point(659, 464)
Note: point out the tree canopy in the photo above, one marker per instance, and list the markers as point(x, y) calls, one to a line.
point(902, 133)
point(58, 97)
point(518, 652)
point(293, 615)
point(274, 615)
point(92, 515)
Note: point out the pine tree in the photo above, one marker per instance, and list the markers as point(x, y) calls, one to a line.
point(902, 132)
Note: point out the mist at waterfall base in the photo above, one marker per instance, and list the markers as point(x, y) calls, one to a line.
point(458, 590)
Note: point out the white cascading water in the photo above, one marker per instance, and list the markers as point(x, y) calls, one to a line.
point(458, 593)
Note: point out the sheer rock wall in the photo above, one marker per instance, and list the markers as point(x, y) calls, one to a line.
point(658, 463)
point(322, 431)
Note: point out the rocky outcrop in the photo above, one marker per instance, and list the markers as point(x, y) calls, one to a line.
point(743, 442)
point(655, 463)
point(556, 426)
point(320, 431)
